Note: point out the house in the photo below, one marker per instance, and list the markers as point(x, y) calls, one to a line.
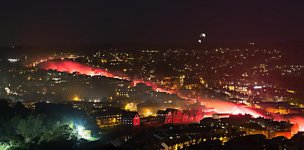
point(130, 118)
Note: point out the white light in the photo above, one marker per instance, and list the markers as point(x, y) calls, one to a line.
point(79, 128)
point(257, 87)
point(12, 60)
point(7, 90)
point(203, 35)
point(83, 133)
point(5, 146)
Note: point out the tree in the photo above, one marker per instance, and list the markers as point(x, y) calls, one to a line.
point(5, 109)
point(19, 109)
point(31, 127)
point(4, 146)
point(58, 132)
point(277, 143)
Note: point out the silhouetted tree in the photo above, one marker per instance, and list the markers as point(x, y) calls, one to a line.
point(31, 127)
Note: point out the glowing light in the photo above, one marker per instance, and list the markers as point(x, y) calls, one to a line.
point(13, 60)
point(147, 113)
point(7, 90)
point(76, 98)
point(114, 120)
point(203, 35)
point(73, 67)
point(236, 111)
point(5, 146)
point(257, 87)
point(291, 91)
point(153, 86)
point(83, 133)
point(224, 107)
point(83, 69)
point(130, 107)
point(297, 120)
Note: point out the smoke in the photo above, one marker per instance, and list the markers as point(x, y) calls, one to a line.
point(297, 120)
point(219, 106)
point(84, 69)
point(74, 67)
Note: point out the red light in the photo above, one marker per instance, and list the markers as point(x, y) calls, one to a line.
point(218, 105)
point(75, 67)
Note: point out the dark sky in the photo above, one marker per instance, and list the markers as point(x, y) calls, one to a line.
point(30, 22)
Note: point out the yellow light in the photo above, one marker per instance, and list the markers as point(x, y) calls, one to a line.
point(291, 91)
point(131, 107)
point(231, 88)
point(76, 98)
point(148, 112)
point(202, 81)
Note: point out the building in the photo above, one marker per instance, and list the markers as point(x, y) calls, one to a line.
point(176, 116)
point(109, 117)
point(130, 118)
point(251, 126)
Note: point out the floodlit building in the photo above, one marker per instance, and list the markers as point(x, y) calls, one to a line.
point(130, 118)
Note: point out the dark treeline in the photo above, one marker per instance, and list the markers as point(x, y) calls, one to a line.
point(47, 126)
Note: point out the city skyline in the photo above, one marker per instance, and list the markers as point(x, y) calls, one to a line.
point(159, 75)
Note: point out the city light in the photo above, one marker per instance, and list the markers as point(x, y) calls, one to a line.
point(185, 75)
point(83, 133)
point(131, 107)
point(75, 67)
point(148, 112)
point(13, 60)
point(76, 98)
point(203, 35)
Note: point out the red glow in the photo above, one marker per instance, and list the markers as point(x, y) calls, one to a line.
point(152, 85)
point(72, 67)
point(75, 67)
point(231, 108)
point(297, 120)
point(219, 105)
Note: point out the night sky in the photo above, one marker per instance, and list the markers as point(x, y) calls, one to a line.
point(159, 21)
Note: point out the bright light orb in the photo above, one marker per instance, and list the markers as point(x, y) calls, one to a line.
point(76, 98)
point(203, 35)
